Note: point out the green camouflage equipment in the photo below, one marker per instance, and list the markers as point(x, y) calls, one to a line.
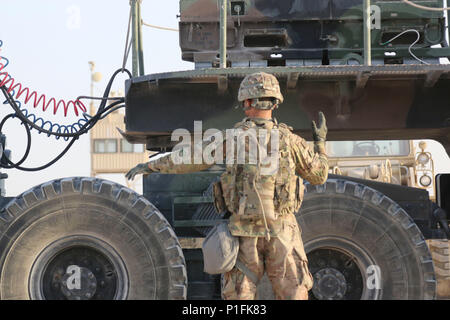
point(315, 49)
point(314, 32)
point(260, 85)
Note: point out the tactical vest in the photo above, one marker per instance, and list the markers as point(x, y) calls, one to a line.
point(249, 194)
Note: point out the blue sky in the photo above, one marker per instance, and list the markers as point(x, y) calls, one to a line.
point(49, 44)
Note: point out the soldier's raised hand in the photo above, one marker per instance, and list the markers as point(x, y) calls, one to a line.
point(320, 133)
point(139, 169)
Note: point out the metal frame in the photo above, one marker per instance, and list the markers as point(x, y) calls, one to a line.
point(367, 34)
point(137, 46)
point(137, 43)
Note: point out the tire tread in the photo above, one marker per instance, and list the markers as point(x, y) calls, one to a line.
point(139, 206)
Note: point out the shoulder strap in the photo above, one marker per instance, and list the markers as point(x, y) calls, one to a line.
point(285, 126)
point(245, 123)
point(243, 268)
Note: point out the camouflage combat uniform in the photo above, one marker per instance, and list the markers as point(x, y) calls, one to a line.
point(283, 256)
point(263, 205)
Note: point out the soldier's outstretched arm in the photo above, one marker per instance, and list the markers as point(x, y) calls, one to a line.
point(176, 162)
point(165, 165)
point(312, 165)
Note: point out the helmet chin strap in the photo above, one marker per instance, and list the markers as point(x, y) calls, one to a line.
point(276, 103)
point(244, 107)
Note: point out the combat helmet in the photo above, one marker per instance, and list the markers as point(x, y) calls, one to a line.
point(260, 85)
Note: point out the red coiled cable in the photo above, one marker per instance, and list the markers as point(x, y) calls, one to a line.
point(18, 91)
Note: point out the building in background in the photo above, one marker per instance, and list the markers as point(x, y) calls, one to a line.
point(111, 155)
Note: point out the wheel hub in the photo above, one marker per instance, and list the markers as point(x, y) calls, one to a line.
point(79, 268)
point(78, 283)
point(80, 273)
point(330, 284)
point(337, 274)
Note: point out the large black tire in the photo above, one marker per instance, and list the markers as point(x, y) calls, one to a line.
point(119, 243)
point(350, 230)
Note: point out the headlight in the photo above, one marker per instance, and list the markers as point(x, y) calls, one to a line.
point(423, 158)
point(425, 181)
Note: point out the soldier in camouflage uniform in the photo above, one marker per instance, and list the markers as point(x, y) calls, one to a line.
point(263, 206)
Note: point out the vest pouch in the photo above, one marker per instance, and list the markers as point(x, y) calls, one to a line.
point(228, 187)
point(258, 195)
point(266, 190)
point(299, 192)
point(219, 201)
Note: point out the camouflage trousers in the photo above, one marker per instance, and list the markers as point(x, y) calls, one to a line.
point(284, 260)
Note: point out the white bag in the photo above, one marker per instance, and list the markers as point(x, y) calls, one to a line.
point(220, 249)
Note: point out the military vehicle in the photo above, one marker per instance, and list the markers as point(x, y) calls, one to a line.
point(318, 52)
point(86, 238)
point(398, 162)
point(390, 161)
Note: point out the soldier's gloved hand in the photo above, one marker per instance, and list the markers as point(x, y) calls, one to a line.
point(320, 133)
point(139, 169)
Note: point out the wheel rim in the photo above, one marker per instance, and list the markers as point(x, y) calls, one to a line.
point(78, 268)
point(340, 268)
